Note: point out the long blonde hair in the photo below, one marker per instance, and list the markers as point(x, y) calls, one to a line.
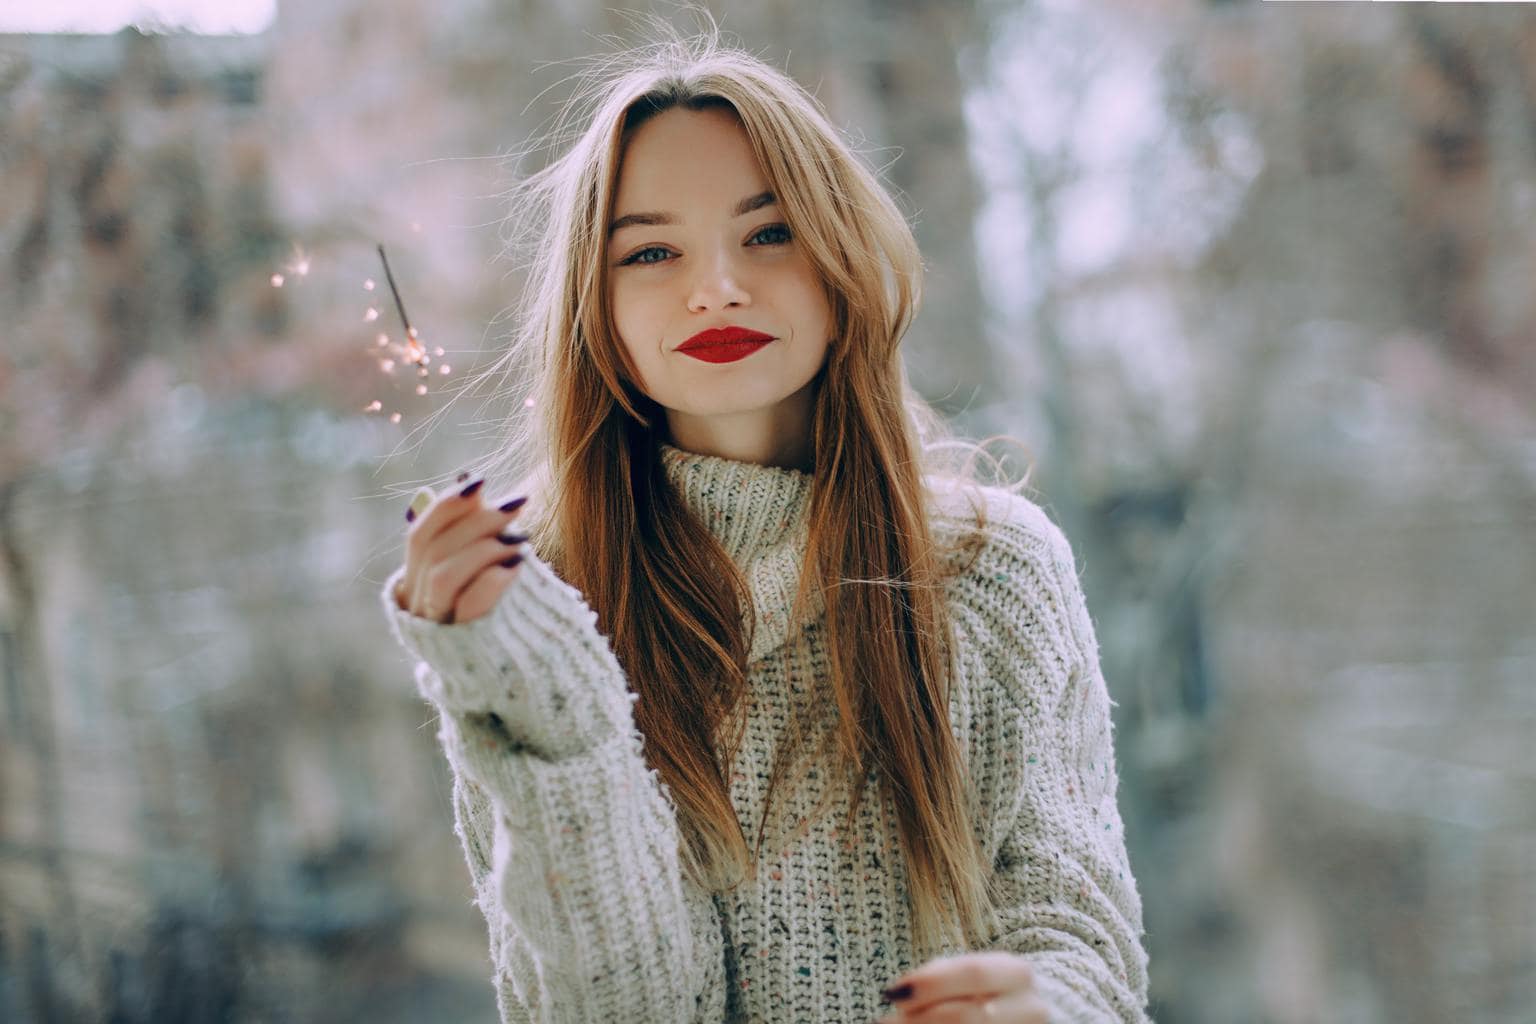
point(584, 443)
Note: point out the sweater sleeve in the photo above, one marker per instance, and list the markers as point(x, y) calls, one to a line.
point(571, 839)
point(1068, 900)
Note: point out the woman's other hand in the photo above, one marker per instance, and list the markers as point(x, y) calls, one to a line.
point(989, 987)
point(457, 559)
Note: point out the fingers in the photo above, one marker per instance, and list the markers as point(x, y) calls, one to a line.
point(420, 503)
point(960, 1010)
point(466, 530)
point(445, 583)
point(966, 975)
point(453, 537)
point(485, 589)
point(445, 510)
point(441, 512)
point(1019, 1007)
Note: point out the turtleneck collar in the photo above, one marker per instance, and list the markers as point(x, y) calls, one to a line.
point(759, 514)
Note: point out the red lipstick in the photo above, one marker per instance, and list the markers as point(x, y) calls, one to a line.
point(724, 344)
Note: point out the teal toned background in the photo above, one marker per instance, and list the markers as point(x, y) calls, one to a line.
point(1253, 283)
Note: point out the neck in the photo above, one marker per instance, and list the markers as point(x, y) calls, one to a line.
point(779, 436)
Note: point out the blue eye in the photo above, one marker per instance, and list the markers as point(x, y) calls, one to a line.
point(775, 227)
point(636, 256)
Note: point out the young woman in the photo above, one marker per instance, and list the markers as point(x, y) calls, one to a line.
point(772, 713)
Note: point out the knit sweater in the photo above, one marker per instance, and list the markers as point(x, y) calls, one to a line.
point(572, 841)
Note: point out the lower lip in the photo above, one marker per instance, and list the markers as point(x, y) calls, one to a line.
point(727, 353)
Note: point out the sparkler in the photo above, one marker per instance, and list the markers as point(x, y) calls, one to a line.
point(391, 356)
point(410, 352)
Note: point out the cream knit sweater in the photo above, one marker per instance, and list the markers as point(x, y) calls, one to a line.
point(571, 839)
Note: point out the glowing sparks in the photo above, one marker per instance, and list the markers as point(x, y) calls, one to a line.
point(299, 264)
point(527, 403)
point(409, 351)
point(391, 355)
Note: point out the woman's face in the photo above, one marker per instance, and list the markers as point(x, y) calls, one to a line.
point(698, 243)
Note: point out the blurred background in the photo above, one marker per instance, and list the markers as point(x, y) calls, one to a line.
point(1253, 281)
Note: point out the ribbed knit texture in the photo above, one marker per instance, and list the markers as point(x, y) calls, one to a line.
point(572, 841)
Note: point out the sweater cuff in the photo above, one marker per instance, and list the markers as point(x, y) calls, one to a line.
point(535, 661)
point(1069, 1005)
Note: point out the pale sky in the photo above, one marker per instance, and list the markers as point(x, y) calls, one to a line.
point(213, 17)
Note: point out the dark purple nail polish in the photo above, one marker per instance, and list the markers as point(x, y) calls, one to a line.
point(472, 488)
point(512, 538)
point(515, 504)
point(510, 562)
point(897, 993)
point(410, 515)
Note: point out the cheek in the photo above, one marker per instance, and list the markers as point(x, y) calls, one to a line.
point(639, 337)
point(812, 297)
point(635, 313)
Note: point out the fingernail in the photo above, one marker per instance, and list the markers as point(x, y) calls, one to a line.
point(510, 562)
point(897, 992)
point(472, 488)
point(511, 538)
point(514, 504)
point(462, 477)
point(420, 502)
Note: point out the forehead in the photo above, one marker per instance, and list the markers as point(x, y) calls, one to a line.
point(683, 157)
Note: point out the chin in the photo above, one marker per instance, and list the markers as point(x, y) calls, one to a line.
point(726, 401)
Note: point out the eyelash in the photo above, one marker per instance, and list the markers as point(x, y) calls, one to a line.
point(635, 256)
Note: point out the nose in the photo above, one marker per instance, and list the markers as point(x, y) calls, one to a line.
point(716, 284)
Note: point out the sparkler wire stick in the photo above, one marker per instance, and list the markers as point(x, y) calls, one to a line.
point(409, 331)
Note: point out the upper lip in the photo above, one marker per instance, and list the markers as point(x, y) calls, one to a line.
point(723, 336)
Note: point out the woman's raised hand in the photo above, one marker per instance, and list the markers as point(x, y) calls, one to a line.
point(457, 560)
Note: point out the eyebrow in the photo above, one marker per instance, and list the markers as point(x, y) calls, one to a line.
point(742, 208)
